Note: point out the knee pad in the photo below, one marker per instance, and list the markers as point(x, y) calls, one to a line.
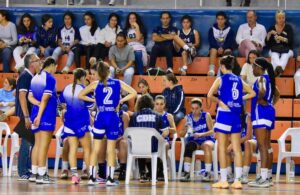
point(189, 149)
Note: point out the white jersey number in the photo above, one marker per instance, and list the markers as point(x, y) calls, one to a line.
point(235, 91)
point(109, 91)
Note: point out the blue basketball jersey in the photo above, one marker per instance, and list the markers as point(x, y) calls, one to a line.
point(188, 38)
point(108, 97)
point(268, 95)
point(231, 92)
point(165, 119)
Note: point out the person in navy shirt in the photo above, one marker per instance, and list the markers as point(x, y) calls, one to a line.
point(68, 42)
point(76, 121)
point(107, 97)
point(263, 117)
point(200, 135)
point(42, 95)
point(230, 99)
point(46, 37)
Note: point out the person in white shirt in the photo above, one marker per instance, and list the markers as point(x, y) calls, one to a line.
point(247, 70)
point(89, 34)
point(251, 36)
point(297, 79)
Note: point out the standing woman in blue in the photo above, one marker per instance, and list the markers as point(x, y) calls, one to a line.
point(107, 97)
point(230, 98)
point(42, 96)
point(263, 117)
point(76, 121)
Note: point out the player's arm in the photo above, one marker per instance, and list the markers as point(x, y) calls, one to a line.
point(125, 119)
point(197, 39)
point(32, 100)
point(158, 38)
point(83, 94)
point(276, 95)
point(131, 92)
point(249, 130)
point(172, 128)
point(250, 93)
point(213, 90)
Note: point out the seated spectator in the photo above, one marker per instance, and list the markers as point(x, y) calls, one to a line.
point(135, 33)
point(46, 37)
point(145, 107)
point(7, 97)
point(246, 3)
point(27, 39)
point(68, 42)
point(250, 36)
point(191, 37)
point(121, 58)
point(221, 40)
point(164, 36)
point(297, 80)
point(8, 39)
point(247, 70)
point(89, 34)
point(200, 135)
point(174, 96)
point(280, 40)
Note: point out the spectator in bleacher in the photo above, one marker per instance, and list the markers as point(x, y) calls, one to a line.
point(46, 36)
point(135, 33)
point(23, 108)
point(164, 36)
point(191, 37)
point(174, 97)
point(280, 40)
point(251, 35)
point(221, 40)
point(68, 38)
point(27, 39)
point(8, 39)
point(121, 58)
point(107, 37)
point(7, 97)
point(247, 70)
point(297, 79)
point(246, 3)
point(89, 34)
point(200, 135)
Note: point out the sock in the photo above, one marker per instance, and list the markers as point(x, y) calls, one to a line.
point(83, 166)
point(223, 173)
point(65, 165)
point(42, 171)
point(93, 172)
point(74, 171)
point(186, 47)
point(229, 170)
point(264, 173)
point(101, 170)
point(238, 173)
point(269, 173)
point(207, 168)
point(122, 166)
point(34, 169)
point(111, 172)
point(187, 167)
point(246, 170)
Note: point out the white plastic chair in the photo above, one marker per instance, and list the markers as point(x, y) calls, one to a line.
point(3, 145)
point(282, 153)
point(140, 146)
point(171, 157)
point(15, 147)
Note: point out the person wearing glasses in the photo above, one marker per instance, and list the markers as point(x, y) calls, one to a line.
point(251, 35)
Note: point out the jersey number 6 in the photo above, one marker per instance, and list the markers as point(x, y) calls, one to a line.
point(235, 91)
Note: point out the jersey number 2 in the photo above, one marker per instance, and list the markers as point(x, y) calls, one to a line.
point(235, 91)
point(108, 91)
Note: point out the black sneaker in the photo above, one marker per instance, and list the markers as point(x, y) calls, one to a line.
point(45, 179)
point(92, 181)
point(186, 177)
point(32, 177)
point(122, 175)
point(144, 178)
point(111, 182)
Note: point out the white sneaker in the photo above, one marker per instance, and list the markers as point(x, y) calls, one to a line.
point(111, 3)
point(260, 183)
point(211, 71)
point(244, 179)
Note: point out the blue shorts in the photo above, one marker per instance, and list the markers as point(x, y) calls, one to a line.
point(263, 117)
point(227, 122)
point(44, 126)
point(106, 123)
point(78, 132)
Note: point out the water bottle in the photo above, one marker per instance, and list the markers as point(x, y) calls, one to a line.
point(14, 170)
point(292, 172)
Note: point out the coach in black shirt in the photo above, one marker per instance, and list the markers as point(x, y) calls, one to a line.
point(23, 108)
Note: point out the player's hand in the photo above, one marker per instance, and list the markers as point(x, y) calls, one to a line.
point(166, 133)
point(224, 106)
point(229, 148)
point(37, 121)
point(27, 123)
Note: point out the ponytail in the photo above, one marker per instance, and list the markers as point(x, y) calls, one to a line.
point(103, 72)
point(48, 62)
point(78, 73)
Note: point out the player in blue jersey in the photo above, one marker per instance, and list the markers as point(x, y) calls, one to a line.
point(263, 117)
point(200, 135)
point(42, 95)
point(107, 97)
point(76, 121)
point(192, 38)
point(230, 98)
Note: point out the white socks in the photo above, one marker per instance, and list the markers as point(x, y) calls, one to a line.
point(42, 170)
point(34, 169)
point(208, 168)
point(264, 173)
point(93, 171)
point(238, 173)
point(186, 47)
point(65, 165)
point(223, 173)
point(187, 167)
point(246, 170)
